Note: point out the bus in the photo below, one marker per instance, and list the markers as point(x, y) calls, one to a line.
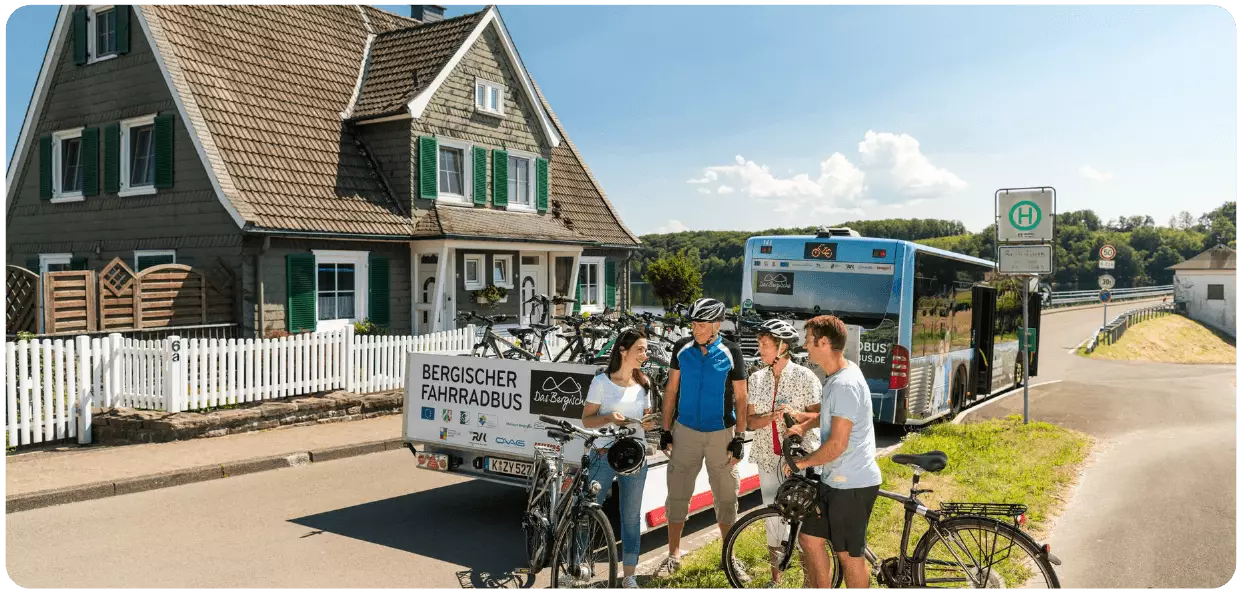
point(933, 331)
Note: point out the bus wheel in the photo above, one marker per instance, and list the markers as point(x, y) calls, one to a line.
point(958, 391)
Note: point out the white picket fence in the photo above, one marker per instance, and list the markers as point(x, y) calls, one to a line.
point(53, 384)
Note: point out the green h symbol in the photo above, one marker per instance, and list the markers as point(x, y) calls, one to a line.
point(1025, 215)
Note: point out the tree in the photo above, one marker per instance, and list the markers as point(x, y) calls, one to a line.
point(1182, 221)
point(675, 279)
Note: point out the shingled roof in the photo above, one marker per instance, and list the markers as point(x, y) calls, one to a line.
point(1218, 257)
point(264, 88)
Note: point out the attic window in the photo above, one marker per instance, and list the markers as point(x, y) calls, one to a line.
point(488, 97)
point(102, 33)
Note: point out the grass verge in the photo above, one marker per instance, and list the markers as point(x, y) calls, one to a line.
point(1001, 460)
point(1168, 339)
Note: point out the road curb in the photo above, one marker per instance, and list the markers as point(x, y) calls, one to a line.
point(167, 479)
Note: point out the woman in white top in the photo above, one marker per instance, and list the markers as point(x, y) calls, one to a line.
point(783, 387)
point(620, 395)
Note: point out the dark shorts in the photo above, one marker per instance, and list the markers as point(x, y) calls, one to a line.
point(844, 518)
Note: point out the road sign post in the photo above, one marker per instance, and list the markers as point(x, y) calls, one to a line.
point(1105, 281)
point(1024, 218)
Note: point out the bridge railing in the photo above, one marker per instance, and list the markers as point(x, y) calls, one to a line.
point(1068, 298)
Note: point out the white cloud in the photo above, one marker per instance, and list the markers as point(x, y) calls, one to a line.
point(891, 170)
point(1091, 173)
point(673, 226)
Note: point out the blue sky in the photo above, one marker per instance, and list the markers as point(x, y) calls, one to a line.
point(750, 118)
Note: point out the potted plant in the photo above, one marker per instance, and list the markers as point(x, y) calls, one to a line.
point(490, 295)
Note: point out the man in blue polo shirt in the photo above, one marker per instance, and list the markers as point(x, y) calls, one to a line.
point(700, 422)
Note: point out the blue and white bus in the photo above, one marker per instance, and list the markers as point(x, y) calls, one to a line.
point(933, 331)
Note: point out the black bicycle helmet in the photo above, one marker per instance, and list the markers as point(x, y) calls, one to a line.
point(626, 455)
point(706, 310)
point(796, 498)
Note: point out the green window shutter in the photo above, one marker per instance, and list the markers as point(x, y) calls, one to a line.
point(77, 263)
point(500, 174)
point(579, 274)
point(90, 161)
point(380, 290)
point(122, 29)
point(79, 36)
point(544, 184)
point(302, 312)
point(479, 176)
point(164, 125)
point(610, 279)
point(111, 158)
point(428, 167)
point(45, 168)
point(32, 263)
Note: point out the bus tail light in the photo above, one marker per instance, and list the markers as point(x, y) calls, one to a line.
point(899, 367)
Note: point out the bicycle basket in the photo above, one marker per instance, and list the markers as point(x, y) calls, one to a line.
point(796, 498)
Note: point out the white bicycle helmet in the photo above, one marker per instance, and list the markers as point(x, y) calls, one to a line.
point(706, 310)
point(780, 330)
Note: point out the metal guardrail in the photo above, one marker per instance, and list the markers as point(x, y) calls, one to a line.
point(1113, 331)
point(1066, 298)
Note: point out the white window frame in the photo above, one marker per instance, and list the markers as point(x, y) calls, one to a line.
point(494, 263)
point(46, 260)
point(480, 283)
point(140, 253)
point(601, 263)
point(125, 165)
point(466, 178)
point(92, 34)
point(488, 85)
point(361, 285)
point(532, 159)
point(59, 196)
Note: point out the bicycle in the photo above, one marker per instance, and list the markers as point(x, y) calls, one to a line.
point(965, 544)
point(576, 530)
point(489, 343)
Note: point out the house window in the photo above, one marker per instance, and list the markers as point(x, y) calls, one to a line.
point(102, 33)
point(455, 170)
point(341, 277)
point(137, 140)
point(563, 275)
point(54, 262)
point(520, 183)
point(67, 165)
point(1217, 292)
point(502, 271)
point(144, 259)
point(590, 278)
point(488, 97)
point(473, 272)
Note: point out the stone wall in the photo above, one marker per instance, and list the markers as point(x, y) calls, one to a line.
point(127, 425)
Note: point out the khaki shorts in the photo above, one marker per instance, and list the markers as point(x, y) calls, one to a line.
point(688, 452)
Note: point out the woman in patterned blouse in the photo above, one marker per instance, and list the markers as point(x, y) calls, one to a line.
point(783, 387)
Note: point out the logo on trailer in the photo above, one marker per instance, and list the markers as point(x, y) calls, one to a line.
point(547, 447)
point(464, 417)
point(477, 437)
point(509, 442)
point(557, 394)
point(486, 420)
point(447, 415)
point(446, 433)
point(428, 413)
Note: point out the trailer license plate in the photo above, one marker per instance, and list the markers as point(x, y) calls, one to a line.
point(435, 461)
point(509, 467)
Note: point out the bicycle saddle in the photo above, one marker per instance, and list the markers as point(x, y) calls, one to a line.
point(520, 332)
point(541, 327)
point(932, 461)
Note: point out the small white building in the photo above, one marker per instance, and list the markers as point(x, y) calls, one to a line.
point(1204, 287)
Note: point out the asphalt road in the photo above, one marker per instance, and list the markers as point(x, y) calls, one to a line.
point(377, 521)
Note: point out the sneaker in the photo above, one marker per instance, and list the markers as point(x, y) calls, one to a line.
point(631, 582)
point(741, 573)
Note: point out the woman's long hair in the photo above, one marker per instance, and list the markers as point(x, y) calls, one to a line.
point(626, 340)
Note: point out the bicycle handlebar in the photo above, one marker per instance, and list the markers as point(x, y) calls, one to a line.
point(604, 432)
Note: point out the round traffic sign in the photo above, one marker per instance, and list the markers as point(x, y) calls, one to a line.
point(1105, 296)
point(1108, 252)
point(1025, 215)
point(1106, 282)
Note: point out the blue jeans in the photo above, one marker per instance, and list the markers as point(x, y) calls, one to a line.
point(630, 490)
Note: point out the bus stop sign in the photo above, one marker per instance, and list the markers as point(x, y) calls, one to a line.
point(1025, 214)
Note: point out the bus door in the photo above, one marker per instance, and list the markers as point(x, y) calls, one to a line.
point(984, 307)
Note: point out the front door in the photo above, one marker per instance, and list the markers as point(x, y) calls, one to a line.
point(531, 285)
point(425, 292)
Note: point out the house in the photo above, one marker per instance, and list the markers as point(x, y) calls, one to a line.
point(340, 163)
point(1204, 287)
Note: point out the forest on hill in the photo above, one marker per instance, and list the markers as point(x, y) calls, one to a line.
point(1145, 248)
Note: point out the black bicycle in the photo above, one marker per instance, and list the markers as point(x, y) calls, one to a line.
point(964, 545)
point(582, 544)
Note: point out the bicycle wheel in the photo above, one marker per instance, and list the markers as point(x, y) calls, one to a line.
point(585, 554)
point(750, 560)
point(980, 553)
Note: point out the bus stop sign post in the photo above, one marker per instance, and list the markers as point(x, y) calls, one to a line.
point(1025, 217)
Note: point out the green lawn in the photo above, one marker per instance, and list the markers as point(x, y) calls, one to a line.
point(998, 460)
